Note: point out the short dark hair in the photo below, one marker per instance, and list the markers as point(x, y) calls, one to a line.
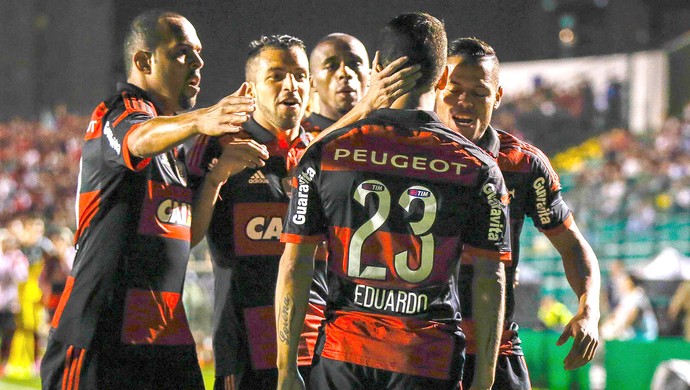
point(143, 34)
point(422, 38)
point(474, 50)
point(284, 42)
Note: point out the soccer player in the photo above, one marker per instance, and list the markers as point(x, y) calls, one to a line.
point(244, 234)
point(120, 322)
point(466, 105)
point(399, 199)
point(339, 66)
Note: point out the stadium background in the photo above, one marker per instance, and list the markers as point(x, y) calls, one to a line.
point(600, 85)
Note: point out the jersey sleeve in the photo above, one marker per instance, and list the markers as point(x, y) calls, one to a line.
point(305, 221)
point(485, 229)
point(117, 128)
point(549, 212)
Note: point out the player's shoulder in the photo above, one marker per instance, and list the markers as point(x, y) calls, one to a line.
point(520, 155)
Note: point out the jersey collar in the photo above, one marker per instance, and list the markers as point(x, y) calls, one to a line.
point(490, 142)
point(405, 116)
point(134, 90)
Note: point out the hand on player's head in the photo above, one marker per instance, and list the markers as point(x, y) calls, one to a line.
point(391, 82)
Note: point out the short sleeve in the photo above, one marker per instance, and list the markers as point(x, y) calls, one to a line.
point(485, 230)
point(305, 221)
point(545, 205)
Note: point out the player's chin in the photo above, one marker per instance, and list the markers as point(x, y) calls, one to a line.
point(187, 102)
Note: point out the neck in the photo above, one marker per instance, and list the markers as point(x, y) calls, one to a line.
point(166, 109)
point(329, 113)
point(416, 100)
point(291, 134)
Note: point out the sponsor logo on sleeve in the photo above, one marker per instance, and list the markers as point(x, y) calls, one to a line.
point(496, 217)
point(543, 209)
point(303, 195)
point(112, 141)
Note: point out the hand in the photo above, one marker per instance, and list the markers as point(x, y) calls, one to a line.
point(391, 82)
point(226, 116)
point(583, 329)
point(290, 380)
point(237, 155)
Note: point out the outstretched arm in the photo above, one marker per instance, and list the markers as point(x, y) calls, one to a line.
point(292, 296)
point(582, 271)
point(163, 133)
point(488, 293)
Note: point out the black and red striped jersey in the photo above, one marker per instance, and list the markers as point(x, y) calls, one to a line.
point(535, 191)
point(132, 239)
point(316, 123)
point(399, 199)
point(244, 240)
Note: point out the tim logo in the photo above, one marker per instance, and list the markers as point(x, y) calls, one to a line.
point(372, 187)
point(418, 193)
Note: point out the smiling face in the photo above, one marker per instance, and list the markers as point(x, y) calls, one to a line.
point(467, 102)
point(340, 73)
point(281, 87)
point(175, 64)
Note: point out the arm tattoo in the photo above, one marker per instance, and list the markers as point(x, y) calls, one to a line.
point(286, 313)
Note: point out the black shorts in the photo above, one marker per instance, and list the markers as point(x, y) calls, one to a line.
point(337, 375)
point(249, 379)
point(511, 373)
point(124, 367)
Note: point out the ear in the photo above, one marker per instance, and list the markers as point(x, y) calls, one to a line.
point(251, 89)
point(142, 61)
point(311, 82)
point(499, 95)
point(443, 80)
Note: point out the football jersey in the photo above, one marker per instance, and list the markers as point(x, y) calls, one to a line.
point(132, 240)
point(316, 123)
point(535, 191)
point(244, 241)
point(400, 200)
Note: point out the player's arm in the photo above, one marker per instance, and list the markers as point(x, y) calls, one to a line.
point(582, 271)
point(237, 155)
point(292, 296)
point(679, 297)
point(387, 85)
point(488, 296)
point(162, 133)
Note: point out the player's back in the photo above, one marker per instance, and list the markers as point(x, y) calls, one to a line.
point(401, 199)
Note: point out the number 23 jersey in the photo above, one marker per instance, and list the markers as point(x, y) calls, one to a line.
point(399, 199)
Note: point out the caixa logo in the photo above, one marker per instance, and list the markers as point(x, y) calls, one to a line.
point(264, 229)
point(174, 212)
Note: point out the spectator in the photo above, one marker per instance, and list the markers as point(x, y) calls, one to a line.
point(633, 317)
point(14, 269)
point(680, 302)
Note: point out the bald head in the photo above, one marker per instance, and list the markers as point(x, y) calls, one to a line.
point(339, 67)
point(145, 33)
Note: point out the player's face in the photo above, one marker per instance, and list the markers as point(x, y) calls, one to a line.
point(175, 66)
point(340, 75)
point(470, 97)
point(281, 88)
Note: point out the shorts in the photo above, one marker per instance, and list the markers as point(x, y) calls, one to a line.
point(120, 367)
point(337, 375)
point(248, 379)
point(511, 373)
